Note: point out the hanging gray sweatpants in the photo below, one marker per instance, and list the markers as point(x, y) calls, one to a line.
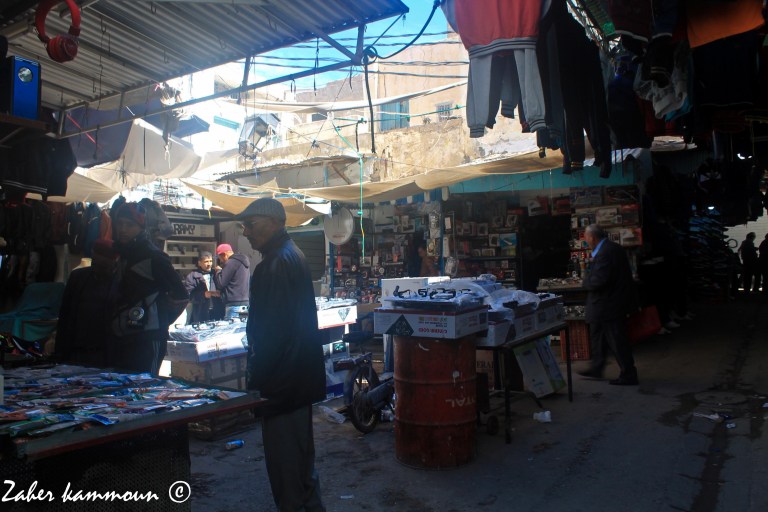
point(513, 80)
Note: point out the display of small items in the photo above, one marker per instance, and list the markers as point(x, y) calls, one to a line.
point(616, 209)
point(43, 401)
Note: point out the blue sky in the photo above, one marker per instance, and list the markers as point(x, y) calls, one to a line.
point(275, 63)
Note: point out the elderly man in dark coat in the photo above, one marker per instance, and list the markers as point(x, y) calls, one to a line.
point(612, 297)
point(285, 358)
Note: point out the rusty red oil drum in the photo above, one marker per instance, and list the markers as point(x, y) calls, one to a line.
point(436, 409)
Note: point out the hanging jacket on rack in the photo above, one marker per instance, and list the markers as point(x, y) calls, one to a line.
point(75, 240)
point(92, 228)
point(573, 85)
point(41, 166)
point(41, 225)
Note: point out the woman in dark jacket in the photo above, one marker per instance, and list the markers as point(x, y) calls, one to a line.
point(149, 296)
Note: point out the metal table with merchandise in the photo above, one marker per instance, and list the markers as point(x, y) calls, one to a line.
point(507, 353)
point(138, 464)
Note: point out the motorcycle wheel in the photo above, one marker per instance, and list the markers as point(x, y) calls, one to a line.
point(363, 416)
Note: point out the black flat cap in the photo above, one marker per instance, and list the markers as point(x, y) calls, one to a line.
point(264, 207)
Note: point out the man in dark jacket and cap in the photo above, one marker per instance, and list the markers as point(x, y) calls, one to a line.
point(285, 356)
point(149, 296)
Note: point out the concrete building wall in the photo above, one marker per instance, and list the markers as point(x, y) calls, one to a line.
point(427, 144)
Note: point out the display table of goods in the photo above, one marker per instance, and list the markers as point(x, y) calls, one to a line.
point(63, 404)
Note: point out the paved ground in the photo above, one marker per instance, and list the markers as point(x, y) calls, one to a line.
point(612, 449)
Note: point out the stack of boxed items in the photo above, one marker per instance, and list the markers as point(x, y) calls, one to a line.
point(515, 314)
point(333, 319)
point(213, 353)
point(447, 310)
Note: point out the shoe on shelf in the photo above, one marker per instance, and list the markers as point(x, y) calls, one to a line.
point(671, 325)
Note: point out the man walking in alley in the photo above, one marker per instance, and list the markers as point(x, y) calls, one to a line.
point(285, 356)
point(749, 263)
point(612, 297)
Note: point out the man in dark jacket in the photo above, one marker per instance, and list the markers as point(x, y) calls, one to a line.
point(231, 279)
point(205, 298)
point(612, 297)
point(285, 356)
point(750, 263)
point(763, 263)
point(150, 296)
point(80, 335)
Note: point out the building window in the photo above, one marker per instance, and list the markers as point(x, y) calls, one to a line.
point(444, 111)
point(394, 115)
point(319, 116)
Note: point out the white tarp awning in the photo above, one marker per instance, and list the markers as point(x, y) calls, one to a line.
point(82, 189)
point(380, 191)
point(297, 212)
point(145, 159)
point(375, 192)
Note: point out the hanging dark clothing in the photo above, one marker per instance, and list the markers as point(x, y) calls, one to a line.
point(41, 166)
point(574, 92)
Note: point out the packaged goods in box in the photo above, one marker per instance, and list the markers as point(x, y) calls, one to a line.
point(333, 317)
point(228, 372)
point(334, 380)
point(549, 312)
point(541, 373)
point(524, 324)
point(196, 345)
point(430, 324)
point(578, 332)
point(497, 334)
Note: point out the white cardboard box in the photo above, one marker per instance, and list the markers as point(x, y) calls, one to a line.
point(525, 325)
point(430, 324)
point(207, 350)
point(497, 334)
point(227, 372)
point(548, 314)
point(540, 370)
point(335, 317)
